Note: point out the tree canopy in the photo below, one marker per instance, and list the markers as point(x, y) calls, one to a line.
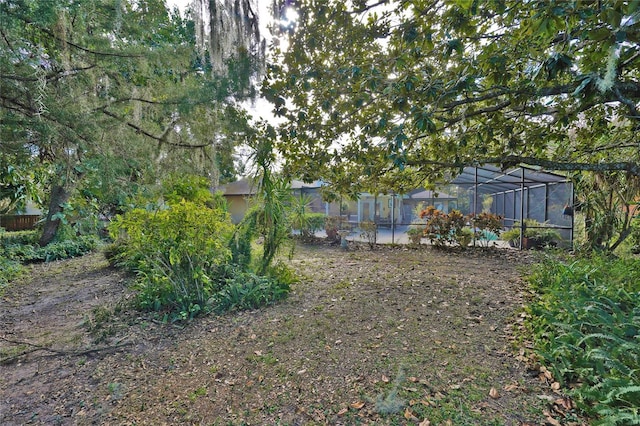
point(111, 94)
point(389, 93)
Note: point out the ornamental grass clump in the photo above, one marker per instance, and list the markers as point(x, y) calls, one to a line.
point(585, 324)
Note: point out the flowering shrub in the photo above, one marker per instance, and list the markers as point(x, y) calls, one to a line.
point(442, 228)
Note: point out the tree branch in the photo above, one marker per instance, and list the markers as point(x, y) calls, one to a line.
point(138, 129)
point(35, 348)
point(74, 45)
point(50, 77)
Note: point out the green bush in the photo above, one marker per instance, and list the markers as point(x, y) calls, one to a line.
point(19, 237)
point(314, 222)
point(246, 290)
point(586, 330)
point(9, 271)
point(189, 188)
point(23, 253)
point(66, 249)
point(17, 248)
point(176, 252)
point(31, 253)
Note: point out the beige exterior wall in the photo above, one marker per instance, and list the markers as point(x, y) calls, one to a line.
point(237, 205)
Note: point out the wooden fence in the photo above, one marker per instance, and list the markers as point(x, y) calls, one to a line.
point(18, 222)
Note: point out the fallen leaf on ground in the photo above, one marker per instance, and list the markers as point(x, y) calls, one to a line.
point(425, 422)
point(343, 411)
point(551, 420)
point(565, 403)
point(409, 415)
point(493, 393)
point(357, 405)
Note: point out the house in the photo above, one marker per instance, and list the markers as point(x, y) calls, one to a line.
point(383, 209)
point(238, 195)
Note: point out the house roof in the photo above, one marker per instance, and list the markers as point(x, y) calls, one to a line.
point(428, 194)
point(244, 186)
point(248, 186)
point(298, 184)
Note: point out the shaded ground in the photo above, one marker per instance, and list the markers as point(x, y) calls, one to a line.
point(391, 336)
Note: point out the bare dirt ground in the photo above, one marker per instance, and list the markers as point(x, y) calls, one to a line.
point(389, 336)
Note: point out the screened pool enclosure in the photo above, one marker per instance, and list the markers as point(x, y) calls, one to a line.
point(521, 192)
point(543, 199)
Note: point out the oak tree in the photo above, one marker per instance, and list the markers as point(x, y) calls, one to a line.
point(407, 91)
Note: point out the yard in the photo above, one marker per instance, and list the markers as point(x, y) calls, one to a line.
point(389, 336)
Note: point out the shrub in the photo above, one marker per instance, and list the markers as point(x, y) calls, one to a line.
point(315, 222)
point(190, 188)
point(586, 327)
point(19, 237)
point(246, 290)
point(512, 236)
point(30, 253)
point(487, 226)
point(442, 228)
point(302, 220)
point(176, 252)
point(331, 227)
point(538, 234)
point(464, 236)
point(68, 248)
point(9, 271)
point(369, 231)
point(415, 235)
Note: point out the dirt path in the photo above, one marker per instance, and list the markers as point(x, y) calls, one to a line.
point(391, 336)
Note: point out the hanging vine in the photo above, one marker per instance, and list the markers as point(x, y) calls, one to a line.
point(228, 30)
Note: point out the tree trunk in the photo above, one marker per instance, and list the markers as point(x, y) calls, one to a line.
point(59, 196)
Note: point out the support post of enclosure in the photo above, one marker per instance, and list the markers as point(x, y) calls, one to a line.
point(522, 227)
point(393, 218)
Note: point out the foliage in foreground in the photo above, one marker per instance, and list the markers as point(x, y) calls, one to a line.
point(586, 330)
point(245, 290)
point(190, 259)
point(23, 248)
point(9, 271)
point(176, 253)
point(18, 248)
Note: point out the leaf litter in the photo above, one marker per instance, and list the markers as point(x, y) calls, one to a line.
point(322, 356)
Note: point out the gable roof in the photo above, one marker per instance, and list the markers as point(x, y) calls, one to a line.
point(244, 186)
point(248, 186)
